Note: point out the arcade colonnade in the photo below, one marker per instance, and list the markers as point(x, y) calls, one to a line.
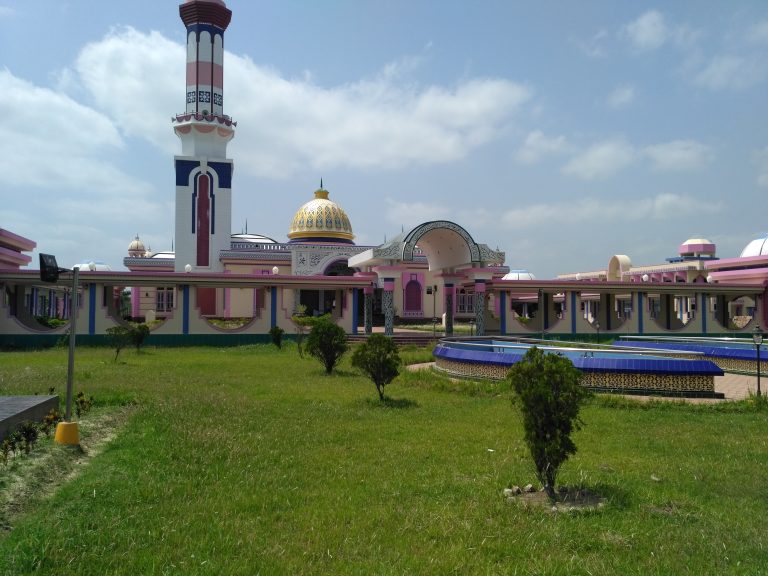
point(557, 308)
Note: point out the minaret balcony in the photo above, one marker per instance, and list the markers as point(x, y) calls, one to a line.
point(204, 134)
point(187, 117)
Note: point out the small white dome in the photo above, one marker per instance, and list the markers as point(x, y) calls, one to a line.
point(98, 266)
point(519, 275)
point(697, 247)
point(254, 238)
point(697, 241)
point(758, 247)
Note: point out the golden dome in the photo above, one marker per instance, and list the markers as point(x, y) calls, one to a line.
point(320, 219)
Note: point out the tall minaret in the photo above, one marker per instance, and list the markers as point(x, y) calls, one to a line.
point(203, 172)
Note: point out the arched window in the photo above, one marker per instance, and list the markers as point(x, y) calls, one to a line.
point(412, 298)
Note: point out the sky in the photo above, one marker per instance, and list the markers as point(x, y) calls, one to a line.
point(559, 132)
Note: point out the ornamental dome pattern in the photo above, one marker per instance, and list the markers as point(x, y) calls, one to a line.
point(321, 219)
point(136, 248)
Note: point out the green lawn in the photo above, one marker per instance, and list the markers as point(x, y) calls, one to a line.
point(251, 461)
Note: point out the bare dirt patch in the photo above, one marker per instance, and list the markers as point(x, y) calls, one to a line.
point(568, 499)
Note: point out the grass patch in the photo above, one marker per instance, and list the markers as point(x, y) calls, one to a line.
point(411, 354)
point(251, 460)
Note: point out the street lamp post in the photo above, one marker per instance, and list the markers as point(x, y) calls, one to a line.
point(757, 338)
point(67, 431)
point(597, 327)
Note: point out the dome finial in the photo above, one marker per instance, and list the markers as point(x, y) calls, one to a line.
point(321, 183)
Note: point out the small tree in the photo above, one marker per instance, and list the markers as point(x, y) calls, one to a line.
point(327, 342)
point(139, 333)
point(302, 323)
point(549, 389)
point(277, 336)
point(379, 359)
point(119, 337)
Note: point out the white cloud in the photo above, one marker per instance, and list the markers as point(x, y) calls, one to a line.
point(621, 96)
point(30, 156)
point(647, 32)
point(731, 72)
point(761, 160)
point(289, 124)
point(678, 155)
point(758, 33)
point(6, 12)
point(601, 160)
point(595, 210)
point(61, 158)
point(594, 47)
point(651, 31)
point(409, 214)
point(138, 80)
point(537, 145)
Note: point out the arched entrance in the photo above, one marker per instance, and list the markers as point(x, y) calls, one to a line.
point(452, 256)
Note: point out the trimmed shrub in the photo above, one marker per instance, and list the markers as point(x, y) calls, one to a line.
point(277, 336)
point(327, 342)
point(548, 386)
point(379, 359)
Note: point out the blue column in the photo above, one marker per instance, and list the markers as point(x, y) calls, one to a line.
point(355, 300)
point(273, 306)
point(92, 309)
point(185, 310)
point(573, 312)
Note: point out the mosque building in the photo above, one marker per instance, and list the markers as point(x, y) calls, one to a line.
point(320, 237)
point(437, 270)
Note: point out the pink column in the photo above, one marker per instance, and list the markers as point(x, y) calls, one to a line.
point(135, 301)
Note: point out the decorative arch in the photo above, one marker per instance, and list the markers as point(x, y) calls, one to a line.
point(618, 263)
point(445, 244)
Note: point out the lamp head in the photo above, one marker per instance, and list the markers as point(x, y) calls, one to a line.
point(188, 268)
point(49, 269)
point(757, 336)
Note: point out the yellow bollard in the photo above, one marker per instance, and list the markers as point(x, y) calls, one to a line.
point(67, 433)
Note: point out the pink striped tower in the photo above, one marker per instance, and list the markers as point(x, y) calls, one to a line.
point(203, 172)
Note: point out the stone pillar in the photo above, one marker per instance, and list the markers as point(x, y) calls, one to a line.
point(449, 291)
point(296, 300)
point(480, 307)
point(388, 302)
point(368, 310)
point(503, 312)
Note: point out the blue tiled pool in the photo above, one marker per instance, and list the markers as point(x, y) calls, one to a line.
point(606, 368)
point(735, 350)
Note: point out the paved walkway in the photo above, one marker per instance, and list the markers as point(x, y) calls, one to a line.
point(738, 386)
